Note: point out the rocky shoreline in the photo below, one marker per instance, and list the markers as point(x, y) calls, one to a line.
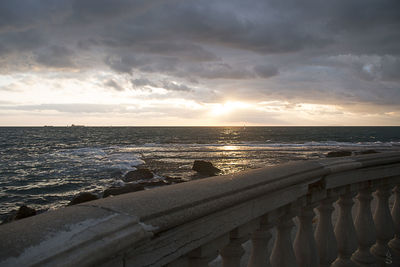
point(144, 178)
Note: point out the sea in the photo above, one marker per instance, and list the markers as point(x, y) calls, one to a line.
point(45, 167)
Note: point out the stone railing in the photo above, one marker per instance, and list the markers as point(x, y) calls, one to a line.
point(190, 224)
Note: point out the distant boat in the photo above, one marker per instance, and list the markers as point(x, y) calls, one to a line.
point(77, 125)
point(47, 126)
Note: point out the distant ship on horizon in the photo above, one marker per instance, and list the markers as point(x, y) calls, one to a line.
point(77, 125)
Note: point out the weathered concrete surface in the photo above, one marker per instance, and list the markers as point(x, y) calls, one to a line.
point(181, 216)
point(68, 236)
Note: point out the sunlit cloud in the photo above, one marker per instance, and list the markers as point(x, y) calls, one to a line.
point(227, 107)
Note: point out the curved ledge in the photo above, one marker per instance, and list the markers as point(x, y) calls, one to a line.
point(124, 224)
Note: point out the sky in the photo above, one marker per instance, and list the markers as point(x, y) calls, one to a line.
point(183, 63)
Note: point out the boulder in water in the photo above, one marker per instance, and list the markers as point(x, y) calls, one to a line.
point(139, 174)
point(174, 180)
point(368, 151)
point(205, 167)
point(127, 188)
point(155, 183)
point(83, 197)
point(24, 212)
point(339, 153)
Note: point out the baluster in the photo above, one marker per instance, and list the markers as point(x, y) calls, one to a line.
point(260, 239)
point(199, 259)
point(324, 235)
point(259, 252)
point(282, 253)
point(365, 229)
point(384, 225)
point(201, 256)
point(304, 245)
point(232, 253)
point(345, 232)
point(395, 242)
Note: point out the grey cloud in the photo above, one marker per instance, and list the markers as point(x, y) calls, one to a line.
point(20, 41)
point(69, 108)
point(165, 84)
point(266, 71)
point(211, 40)
point(390, 68)
point(94, 10)
point(26, 14)
point(172, 86)
point(114, 85)
point(219, 71)
point(142, 82)
point(56, 56)
point(126, 63)
point(185, 51)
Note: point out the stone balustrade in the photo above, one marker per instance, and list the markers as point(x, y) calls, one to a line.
point(208, 221)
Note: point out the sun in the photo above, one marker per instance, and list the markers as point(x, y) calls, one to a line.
point(228, 107)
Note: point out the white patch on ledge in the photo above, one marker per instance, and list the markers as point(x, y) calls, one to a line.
point(148, 227)
point(52, 243)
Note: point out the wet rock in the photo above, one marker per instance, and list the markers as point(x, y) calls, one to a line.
point(83, 197)
point(339, 153)
point(127, 188)
point(174, 180)
point(205, 167)
point(154, 183)
point(24, 212)
point(116, 174)
point(139, 174)
point(368, 151)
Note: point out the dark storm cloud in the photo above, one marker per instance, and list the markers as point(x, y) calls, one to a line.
point(56, 56)
point(22, 15)
point(296, 42)
point(219, 71)
point(21, 41)
point(266, 71)
point(390, 68)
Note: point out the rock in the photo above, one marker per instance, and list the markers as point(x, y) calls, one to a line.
point(127, 188)
point(205, 167)
point(24, 212)
point(174, 180)
point(83, 197)
point(116, 174)
point(368, 151)
point(154, 183)
point(139, 174)
point(339, 153)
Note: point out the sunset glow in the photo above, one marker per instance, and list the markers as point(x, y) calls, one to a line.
point(114, 64)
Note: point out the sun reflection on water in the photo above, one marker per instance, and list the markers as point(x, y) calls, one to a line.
point(230, 148)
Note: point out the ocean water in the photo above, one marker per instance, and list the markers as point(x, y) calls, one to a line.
point(44, 167)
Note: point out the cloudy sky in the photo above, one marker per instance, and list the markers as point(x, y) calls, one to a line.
point(226, 62)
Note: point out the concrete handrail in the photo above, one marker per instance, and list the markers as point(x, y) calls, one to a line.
point(188, 223)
